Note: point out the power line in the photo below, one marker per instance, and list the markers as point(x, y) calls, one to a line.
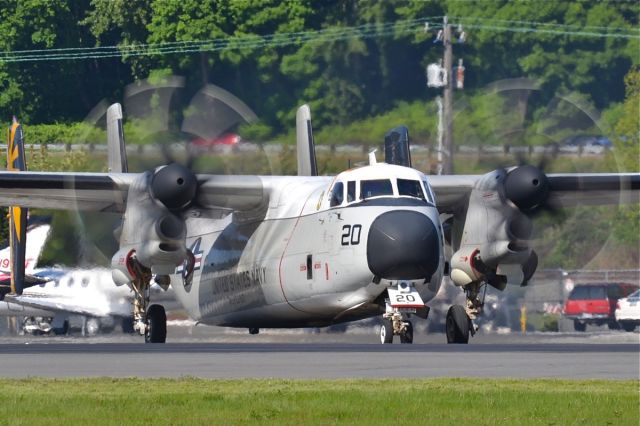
point(592, 28)
point(231, 43)
point(551, 31)
point(381, 30)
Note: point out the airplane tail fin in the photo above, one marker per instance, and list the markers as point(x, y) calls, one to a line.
point(396, 147)
point(37, 235)
point(307, 165)
point(115, 140)
point(17, 215)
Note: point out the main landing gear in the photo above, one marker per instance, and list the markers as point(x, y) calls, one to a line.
point(459, 323)
point(403, 301)
point(149, 321)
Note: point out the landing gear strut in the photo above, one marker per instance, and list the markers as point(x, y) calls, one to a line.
point(149, 321)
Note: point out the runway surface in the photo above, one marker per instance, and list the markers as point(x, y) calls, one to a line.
point(321, 360)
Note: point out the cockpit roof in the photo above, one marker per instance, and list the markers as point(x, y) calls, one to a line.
point(381, 171)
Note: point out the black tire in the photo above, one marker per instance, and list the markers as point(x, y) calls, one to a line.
point(62, 331)
point(457, 325)
point(407, 335)
point(386, 332)
point(628, 325)
point(127, 325)
point(156, 325)
point(579, 326)
point(613, 325)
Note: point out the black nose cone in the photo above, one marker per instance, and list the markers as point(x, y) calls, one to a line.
point(403, 245)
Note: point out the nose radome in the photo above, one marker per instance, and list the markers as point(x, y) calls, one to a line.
point(403, 245)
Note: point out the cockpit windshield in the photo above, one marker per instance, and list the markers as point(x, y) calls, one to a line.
point(375, 188)
point(410, 188)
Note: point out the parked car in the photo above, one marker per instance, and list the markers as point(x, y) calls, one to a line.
point(227, 139)
point(628, 311)
point(595, 304)
point(588, 140)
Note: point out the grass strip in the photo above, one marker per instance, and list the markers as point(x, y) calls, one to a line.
point(108, 401)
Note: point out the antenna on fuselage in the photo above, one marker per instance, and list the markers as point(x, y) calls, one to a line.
point(372, 157)
point(307, 164)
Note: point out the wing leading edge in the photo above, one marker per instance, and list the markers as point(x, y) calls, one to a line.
point(107, 192)
point(566, 189)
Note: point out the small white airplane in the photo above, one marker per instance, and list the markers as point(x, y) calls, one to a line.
point(51, 295)
point(89, 293)
point(55, 294)
point(37, 234)
point(308, 250)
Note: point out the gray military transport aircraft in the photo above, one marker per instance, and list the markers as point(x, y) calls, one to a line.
point(309, 250)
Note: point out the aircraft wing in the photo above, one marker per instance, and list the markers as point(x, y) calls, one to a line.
point(66, 191)
point(107, 192)
point(29, 281)
point(565, 189)
point(51, 303)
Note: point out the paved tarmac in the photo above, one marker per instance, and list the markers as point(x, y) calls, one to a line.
point(321, 360)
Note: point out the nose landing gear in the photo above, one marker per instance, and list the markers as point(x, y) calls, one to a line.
point(393, 327)
point(403, 301)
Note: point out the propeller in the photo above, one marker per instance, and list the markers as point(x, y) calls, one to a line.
point(155, 114)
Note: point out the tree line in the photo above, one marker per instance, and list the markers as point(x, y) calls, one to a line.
point(349, 59)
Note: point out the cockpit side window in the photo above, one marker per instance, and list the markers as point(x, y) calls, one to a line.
point(410, 188)
point(427, 190)
point(375, 188)
point(337, 194)
point(351, 191)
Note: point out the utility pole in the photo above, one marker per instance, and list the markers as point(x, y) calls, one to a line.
point(440, 75)
point(448, 98)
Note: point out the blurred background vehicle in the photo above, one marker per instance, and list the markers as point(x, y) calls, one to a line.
point(628, 311)
point(595, 304)
point(227, 139)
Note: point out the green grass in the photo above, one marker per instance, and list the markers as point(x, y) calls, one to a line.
point(302, 402)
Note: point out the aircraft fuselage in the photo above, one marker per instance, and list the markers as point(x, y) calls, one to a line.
point(305, 263)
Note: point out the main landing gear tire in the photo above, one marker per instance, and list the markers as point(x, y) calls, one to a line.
point(407, 334)
point(386, 332)
point(457, 325)
point(579, 326)
point(156, 325)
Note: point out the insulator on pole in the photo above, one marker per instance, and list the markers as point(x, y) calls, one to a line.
point(460, 75)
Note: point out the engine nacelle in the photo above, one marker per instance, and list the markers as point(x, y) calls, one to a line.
point(493, 245)
point(156, 234)
point(121, 267)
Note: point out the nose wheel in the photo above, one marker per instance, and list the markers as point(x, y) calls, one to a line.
point(386, 332)
point(402, 328)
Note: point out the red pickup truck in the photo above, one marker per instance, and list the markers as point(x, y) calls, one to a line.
point(595, 304)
